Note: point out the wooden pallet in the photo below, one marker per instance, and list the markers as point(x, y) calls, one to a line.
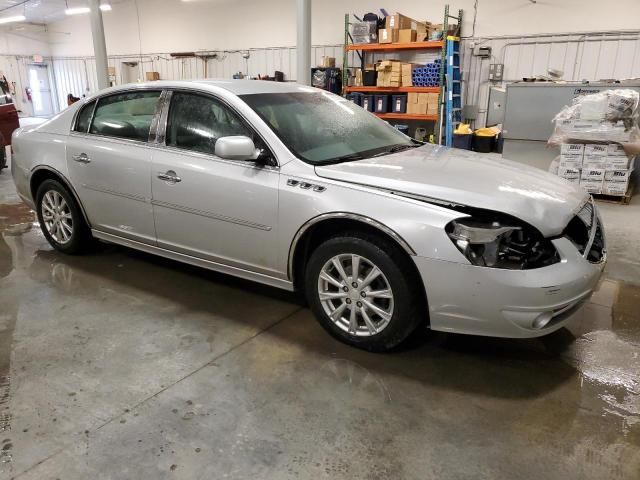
point(617, 199)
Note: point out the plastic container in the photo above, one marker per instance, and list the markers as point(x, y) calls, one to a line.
point(399, 103)
point(368, 102)
point(369, 78)
point(355, 98)
point(483, 144)
point(499, 143)
point(381, 103)
point(402, 129)
point(462, 140)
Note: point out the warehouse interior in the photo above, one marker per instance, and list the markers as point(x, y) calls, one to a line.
point(122, 364)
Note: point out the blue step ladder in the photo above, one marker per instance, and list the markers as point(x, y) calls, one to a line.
point(453, 90)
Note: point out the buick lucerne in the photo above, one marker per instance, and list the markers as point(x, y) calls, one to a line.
point(300, 189)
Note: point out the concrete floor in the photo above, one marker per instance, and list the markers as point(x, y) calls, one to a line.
point(120, 365)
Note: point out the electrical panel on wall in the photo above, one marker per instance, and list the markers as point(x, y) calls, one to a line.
point(495, 72)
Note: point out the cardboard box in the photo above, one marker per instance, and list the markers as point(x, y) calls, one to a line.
point(569, 172)
point(407, 75)
point(619, 162)
point(151, 76)
point(406, 36)
point(412, 98)
point(417, 108)
point(402, 22)
point(571, 149)
point(598, 163)
point(397, 21)
point(615, 150)
point(423, 98)
point(388, 35)
point(571, 154)
point(592, 186)
point(592, 174)
point(328, 62)
point(595, 150)
point(615, 188)
point(570, 163)
point(111, 71)
point(617, 175)
point(432, 109)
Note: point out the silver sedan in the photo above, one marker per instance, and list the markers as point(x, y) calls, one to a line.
point(299, 189)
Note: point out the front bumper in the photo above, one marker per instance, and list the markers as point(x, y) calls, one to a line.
point(464, 298)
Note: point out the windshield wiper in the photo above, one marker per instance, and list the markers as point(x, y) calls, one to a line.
point(346, 158)
point(395, 149)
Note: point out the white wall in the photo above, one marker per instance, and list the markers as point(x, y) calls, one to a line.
point(176, 25)
point(17, 44)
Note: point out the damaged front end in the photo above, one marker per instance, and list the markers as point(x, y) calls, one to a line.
point(491, 239)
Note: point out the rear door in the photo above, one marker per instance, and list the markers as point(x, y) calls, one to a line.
point(8, 119)
point(109, 162)
point(221, 210)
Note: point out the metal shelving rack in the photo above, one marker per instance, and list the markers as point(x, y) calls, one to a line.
point(362, 49)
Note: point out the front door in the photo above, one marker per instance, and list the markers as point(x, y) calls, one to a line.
point(220, 210)
point(41, 97)
point(110, 163)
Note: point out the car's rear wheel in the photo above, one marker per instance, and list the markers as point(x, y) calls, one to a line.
point(362, 290)
point(60, 218)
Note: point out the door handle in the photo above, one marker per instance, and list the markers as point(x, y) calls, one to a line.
point(169, 176)
point(82, 158)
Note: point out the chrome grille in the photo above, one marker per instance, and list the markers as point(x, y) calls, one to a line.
point(585, 231)
point(586, 214)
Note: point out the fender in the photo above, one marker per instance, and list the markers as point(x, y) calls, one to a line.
point(66, 183)
point(343, 215)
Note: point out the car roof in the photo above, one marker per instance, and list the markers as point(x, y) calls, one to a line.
point(237, 87)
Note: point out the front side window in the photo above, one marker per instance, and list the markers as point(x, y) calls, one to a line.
point(196, 122)
point(84, 118)
point(125, 115)
point(322, 128)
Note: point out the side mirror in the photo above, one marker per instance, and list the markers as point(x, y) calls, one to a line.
point(236, 148)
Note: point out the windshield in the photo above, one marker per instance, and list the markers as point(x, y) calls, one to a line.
point(321, 128)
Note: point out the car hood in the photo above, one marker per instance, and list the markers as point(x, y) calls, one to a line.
point(468, 178)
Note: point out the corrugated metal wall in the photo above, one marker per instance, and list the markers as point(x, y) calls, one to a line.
point(590, 56)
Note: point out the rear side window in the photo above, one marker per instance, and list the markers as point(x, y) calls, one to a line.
point(84, 117)
point(197, 121)
point(125, 115)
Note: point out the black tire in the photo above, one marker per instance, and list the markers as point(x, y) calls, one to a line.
point(80, 238)
point(3, 157)
point(409, 307)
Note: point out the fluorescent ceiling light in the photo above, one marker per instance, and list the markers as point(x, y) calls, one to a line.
point(80, 10)
point(77, 10)
point(16, 18)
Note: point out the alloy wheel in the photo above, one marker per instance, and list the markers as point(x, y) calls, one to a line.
point(57, 217)
point(355, 294)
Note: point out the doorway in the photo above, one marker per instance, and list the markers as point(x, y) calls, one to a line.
point(41, 94)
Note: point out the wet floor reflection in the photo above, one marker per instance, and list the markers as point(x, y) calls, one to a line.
point(576, 390)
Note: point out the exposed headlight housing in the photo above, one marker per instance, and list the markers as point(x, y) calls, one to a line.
point(501, 241)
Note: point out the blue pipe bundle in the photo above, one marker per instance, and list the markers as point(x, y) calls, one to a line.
point(427, 75)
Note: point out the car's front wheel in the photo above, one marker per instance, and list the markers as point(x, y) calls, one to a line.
point(60, 218)
point(362, 290)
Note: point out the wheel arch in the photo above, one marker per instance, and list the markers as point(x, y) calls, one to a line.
point(44, 172)
point(323, 226)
